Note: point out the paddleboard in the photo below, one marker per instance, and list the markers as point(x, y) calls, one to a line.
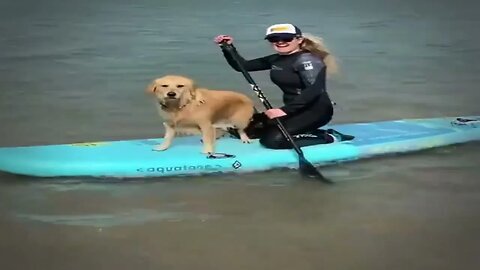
point(136, 158)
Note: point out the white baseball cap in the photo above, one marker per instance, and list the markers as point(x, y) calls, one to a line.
point(282, 30)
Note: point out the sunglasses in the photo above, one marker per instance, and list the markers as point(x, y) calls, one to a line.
point(280, 39)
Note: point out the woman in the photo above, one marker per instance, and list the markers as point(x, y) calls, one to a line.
point(299, 68)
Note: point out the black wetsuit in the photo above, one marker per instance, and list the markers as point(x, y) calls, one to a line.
point(301, 76)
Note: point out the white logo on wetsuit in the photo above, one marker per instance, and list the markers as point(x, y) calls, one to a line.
point(305, 135)
point(307, 65)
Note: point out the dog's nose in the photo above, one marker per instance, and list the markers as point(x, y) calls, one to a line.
point(171, 94)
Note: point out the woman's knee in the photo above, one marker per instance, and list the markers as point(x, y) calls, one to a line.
point(274, 140)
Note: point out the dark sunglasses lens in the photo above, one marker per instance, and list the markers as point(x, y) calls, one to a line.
point(278, 39)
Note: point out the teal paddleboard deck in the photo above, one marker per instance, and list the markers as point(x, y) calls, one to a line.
point(135, 158)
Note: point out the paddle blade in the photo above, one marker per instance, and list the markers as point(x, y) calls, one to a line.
point(308, 170)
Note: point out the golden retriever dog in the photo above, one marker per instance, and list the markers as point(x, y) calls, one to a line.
point(188, 109)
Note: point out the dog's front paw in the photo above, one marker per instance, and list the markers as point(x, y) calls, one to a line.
point(246, 141)
point(161, 147)
point(207, 151)
point(244, 138)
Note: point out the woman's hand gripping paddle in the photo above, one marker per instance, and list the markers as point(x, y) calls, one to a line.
point(306, 168)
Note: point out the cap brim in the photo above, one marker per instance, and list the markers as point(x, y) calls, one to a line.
point(281, 35)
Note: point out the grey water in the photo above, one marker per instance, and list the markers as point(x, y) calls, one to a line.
point(75, 71)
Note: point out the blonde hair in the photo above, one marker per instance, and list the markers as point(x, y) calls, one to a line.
point(316, 46)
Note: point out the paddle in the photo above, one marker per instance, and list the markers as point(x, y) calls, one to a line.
point(306, 168)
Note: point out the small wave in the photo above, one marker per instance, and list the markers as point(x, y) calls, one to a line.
point(134, 217)
point(374, 24)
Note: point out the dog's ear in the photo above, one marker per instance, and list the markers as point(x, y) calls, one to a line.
point(151, 88)
point(199, 98)
point(196, 93)
point(193, 89)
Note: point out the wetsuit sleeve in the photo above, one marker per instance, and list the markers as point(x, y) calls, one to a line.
point(312, 72)
point(262, 63)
